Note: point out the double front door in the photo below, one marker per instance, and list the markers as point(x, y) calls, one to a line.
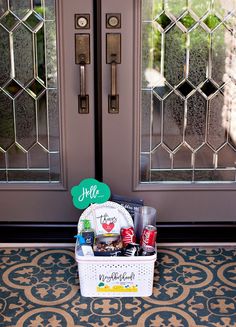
point(137, 93)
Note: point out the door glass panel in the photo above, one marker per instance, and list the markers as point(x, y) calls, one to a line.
point(188, 108)
point(29, 115)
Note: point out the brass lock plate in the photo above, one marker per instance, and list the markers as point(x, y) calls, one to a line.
point(113, 48)
point(82, 49)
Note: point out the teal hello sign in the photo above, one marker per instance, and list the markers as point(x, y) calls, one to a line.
point(89, 191)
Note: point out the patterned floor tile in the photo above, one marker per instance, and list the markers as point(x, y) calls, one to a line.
point(193, 287)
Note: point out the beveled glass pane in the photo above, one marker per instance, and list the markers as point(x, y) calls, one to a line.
point(188, 21)
point(16, 157)
point(20, 8)
point(146, 120)
point(5, 63)
point(232, 140)
point(35, 88)
point(196, 120)
point(38, 157)
point(3, 7)
point(226, 156)
point(212, 21)
point(182, 158)
point(171, 176)
point(224, 7)
point(13, 88)
point(176, 7)
point(7, 135)
point(33, 21)
point(144, 167)
point(209, 88)
point(148, 71)
point(161, 158)
point(216, 131)
point(9, 21)
point(42, 120)
point(203, 158)
point(151, 9)
point(24, 176)
point(188, 62)
point(51, 54)
point(23, 54)
point(198, 55)
point(29, 114)
point(40, 44)
point(199, 7)
point(54, 132)
point(219, 38)
point(164, 21)
point(214, 176)
point(50, 10)
point(174, 57)
point(162, 90)
point(185, 88)
point(2, 160)
point(55, 167)
point(25, 120)
point(173, 115)
point(39, 8)
point(156, 121)
point(3, 176)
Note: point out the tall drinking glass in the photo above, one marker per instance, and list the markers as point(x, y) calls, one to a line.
point(143, 216)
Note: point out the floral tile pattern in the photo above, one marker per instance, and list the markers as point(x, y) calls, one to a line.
point(193, 287)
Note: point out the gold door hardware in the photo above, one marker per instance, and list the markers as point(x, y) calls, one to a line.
point(82, 58)
point(113, 57)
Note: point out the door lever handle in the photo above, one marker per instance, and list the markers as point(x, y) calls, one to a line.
point(83, 97)
point(113, 58)
point(113, 98)
point(82, 58)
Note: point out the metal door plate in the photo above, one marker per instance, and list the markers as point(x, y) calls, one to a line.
point(82, 49)
point(113, 48)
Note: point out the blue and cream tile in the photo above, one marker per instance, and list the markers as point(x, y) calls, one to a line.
point(193, 287)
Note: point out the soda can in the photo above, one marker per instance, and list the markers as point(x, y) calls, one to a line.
point(149, 235)
point(127, 235)
point(147, 250)
point(131, 250)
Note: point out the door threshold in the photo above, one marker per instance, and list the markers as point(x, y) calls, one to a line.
point(159, 245)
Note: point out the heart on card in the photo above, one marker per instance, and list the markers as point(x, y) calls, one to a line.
point(108, 227)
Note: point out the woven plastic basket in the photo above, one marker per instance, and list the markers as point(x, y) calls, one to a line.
point(116, 276)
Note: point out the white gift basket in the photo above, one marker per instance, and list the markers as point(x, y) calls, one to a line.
point(114, 276)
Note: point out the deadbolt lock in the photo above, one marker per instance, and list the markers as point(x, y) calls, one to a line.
point(82, 21)
point(113, 20)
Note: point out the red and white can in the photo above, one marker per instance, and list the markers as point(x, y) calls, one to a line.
point(149, 235)
point(127, 235)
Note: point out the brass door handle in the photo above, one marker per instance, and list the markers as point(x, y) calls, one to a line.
point(113, 98)
point(113, 58)
point(82, 58)
point(83, 97)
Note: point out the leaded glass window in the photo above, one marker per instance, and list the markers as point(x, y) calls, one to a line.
point(29, 117)
point(188, 107)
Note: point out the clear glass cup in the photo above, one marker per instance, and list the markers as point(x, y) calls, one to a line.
point(144, 216)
